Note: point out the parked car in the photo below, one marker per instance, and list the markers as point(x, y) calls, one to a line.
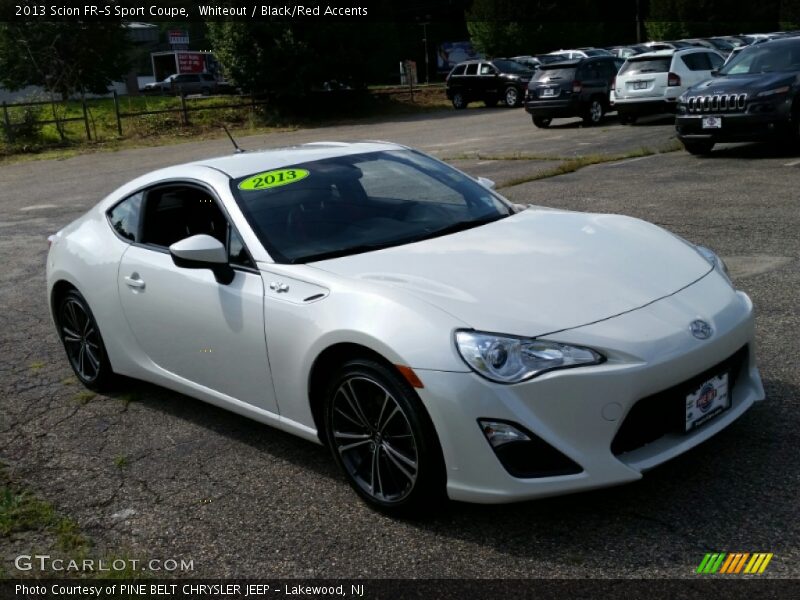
point(534, 62)
point(755, 96)
point(628, 51)
point(489, 81)
point(582, 53)
point(571, 88)
point(187, 83)
point(651, 83)
point(440, 341)
point(720, 46)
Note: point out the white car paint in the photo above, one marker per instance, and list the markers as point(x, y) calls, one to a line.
point(654, 87)
point(619, 285)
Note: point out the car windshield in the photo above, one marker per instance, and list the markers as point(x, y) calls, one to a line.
point(360, 202)
point(597, 52)
point(511, 66)
point(634, 66)
point(770, 57)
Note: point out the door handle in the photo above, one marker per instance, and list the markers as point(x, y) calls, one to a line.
point(134, 282)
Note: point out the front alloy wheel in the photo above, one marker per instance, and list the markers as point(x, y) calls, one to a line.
point(511, 97)
point(459, 102)
point(382, 439)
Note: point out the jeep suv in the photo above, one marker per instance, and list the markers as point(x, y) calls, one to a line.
point(489, 81)
point(572, 88)
point(755, 96)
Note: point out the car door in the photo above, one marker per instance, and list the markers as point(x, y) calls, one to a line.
point(488, 80)
point(471, 81)
point(190, 326)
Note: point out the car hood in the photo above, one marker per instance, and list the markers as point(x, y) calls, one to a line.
point(729, 84)
point(537, 272)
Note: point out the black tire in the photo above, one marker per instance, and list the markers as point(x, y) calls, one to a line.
point(490, 102)
point(698, 147)
point(594, 112)
point(383, 439)
point(459, 101)
point(627, 119)
point(83, 343)
point(542, 122)
point(511, 97)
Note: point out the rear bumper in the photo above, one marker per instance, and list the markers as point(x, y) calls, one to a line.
point(550, 109)
point(641, 107)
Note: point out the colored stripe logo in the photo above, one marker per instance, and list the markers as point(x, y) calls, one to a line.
point(734, 563)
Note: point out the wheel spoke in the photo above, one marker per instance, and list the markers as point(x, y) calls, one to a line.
point(347, 447)
point(349, 418)
point(352, 400)
point(94, 362)
point(391, 451)
point(70, 336)
point(400, 467)
point(350, 436)
point(71, 316)
point(377, 490)
point(81, 352)
point(389, 418)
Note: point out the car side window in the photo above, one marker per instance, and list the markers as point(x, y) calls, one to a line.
point(487, 69)
point(124, 217)
point(458, 70)
point(716, 60)
point(472, 69)
point(237, 253)
point(697, 61)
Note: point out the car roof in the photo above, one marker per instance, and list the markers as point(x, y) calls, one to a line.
point(246, 163)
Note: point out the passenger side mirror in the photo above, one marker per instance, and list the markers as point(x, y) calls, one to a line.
point(203, 252)
point(487, 183)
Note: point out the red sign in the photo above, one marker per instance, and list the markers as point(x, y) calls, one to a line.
point(191, 62)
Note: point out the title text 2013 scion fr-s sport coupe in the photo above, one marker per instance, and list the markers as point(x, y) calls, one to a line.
point(442, 341)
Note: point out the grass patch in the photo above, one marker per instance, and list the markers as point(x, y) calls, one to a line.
point(574, 164)
point(121, 461)
point(36, 366)
point(21, 511)
point(84, 396)
point(69, 381)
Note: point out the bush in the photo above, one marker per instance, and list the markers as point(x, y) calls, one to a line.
point(25, 124)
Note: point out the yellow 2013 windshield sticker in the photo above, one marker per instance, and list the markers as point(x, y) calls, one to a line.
point(271, 179)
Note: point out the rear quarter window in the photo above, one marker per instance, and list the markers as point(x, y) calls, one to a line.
point(124, 217)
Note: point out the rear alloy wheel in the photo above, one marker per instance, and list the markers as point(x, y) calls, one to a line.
point(459, 102)
point(595, 112)
point(383, 440)
point(698, 148)
point(542, 122)
point(82, 341)
point(511, 97)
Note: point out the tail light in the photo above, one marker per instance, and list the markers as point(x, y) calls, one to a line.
point(673, 79)
point(577, 86)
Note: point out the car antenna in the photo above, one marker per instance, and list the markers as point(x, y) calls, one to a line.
point(233, 141)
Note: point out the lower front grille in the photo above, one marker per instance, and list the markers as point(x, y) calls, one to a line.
point(665, 412)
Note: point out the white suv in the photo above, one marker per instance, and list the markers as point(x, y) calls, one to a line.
point(650, 83)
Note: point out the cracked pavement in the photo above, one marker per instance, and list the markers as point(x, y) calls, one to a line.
point(149, 473)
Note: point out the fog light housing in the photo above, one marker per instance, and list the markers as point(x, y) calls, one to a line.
point(523, 454)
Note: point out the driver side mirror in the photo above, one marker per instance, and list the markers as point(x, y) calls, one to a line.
point(203, 252)
point(487, 183)
point(715, 72)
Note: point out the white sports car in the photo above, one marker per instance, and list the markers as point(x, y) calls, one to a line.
point(441, 340)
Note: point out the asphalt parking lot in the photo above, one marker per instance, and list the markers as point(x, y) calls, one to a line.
point(153, 474)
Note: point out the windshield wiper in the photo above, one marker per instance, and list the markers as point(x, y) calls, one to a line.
point(344, 252)
point(460, 226)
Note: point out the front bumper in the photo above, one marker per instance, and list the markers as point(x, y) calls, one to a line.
point(579, 411)
point(761, 121)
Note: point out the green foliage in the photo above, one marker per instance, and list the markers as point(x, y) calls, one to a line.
point(676, 19)
point(63, 57)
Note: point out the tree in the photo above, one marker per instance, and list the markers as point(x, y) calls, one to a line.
point(63, 57)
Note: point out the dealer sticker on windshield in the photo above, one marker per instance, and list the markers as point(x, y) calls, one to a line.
point(271, 179)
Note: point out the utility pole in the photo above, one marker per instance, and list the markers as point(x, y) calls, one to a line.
point(638, 21)
point(425, 41)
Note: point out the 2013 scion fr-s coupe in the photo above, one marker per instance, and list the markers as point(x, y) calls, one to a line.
point(442, 341)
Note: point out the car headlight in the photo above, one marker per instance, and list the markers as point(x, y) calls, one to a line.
point(510, 359)
point(715, 261)
point(780, 90)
